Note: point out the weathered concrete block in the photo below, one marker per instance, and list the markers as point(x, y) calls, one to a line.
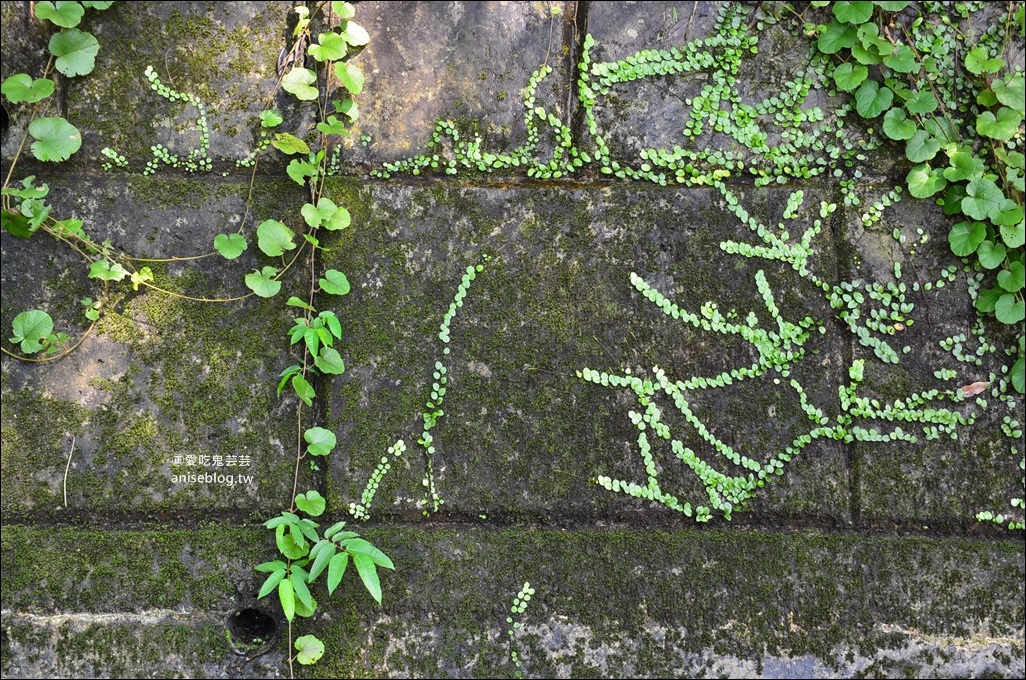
point(555, 298)
point(165, 385)
point(613, 603)
point(479, 56)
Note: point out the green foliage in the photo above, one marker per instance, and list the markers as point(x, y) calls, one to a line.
point(310, 649)
point(960, 112)
point(22, 88)
point(230, 245)
point(264, 282)
point(75, 51)
point(307, 553)
point(274, 238)
point(516, 610)
point(56, 139)
point(301, 83)
point(320, 442)
point(63, 14)
point(32, 329)
point(430, 416)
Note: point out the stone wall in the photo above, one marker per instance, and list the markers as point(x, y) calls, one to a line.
point(861, 558)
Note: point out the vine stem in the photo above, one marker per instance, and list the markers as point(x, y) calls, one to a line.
point(292, 673)
point(24, 137)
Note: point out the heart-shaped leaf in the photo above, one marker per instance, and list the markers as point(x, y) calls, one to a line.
point(230, 245)
point(836, 37)
point(964, 166)
point(334, 282)
point(1009, 309)
point(274, 238)
point(330, 361)
point(991, 255)
point(1011, 91)
point(350, 76)
point(871, 100)
point(63, 14)
point(347, 107)
point(982, 198)
point(22, 88)
point(901, 60)
point(921, 147)
point(897, 125)
point(75, 51)
point(320, 441)
point(921, 102)
point(270, 118)
point(56, 139)
point(892, 6)
point(299, 170)
point(978, 61)
point(1014, 235)
point(1001, 126)
point(263, 283)
point(333, 126)
point(848, 76)
point(354, 34)
point(312, 503)
point(30, 329)
point(1018, 374)
point(329, 47)
point(299, 81)
point(924, 181)
point(852, 12)
point(987, 299)
point(344, 10)
point(965, 237)
point(310, 649)
point(1013, 278)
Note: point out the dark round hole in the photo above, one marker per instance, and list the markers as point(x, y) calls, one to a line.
point(251, 628)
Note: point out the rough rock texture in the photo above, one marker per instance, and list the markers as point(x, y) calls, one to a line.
point(860, 559)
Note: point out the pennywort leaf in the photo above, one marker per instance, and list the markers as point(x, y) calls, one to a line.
point(320, 441)
point(300, 83)
point(965, 237)
point(56, 139)
point(22, 88)
point(75, 51)
point(230, 246)
point(274, 238)
point(871, 100)
point(63, 14)
point(334, 282)
point(263, 282)
point(311, 502)
point(310, 649)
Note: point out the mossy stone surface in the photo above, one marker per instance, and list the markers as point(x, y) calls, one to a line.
point(460, 61)
point(162, 380)
point(607, 602)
